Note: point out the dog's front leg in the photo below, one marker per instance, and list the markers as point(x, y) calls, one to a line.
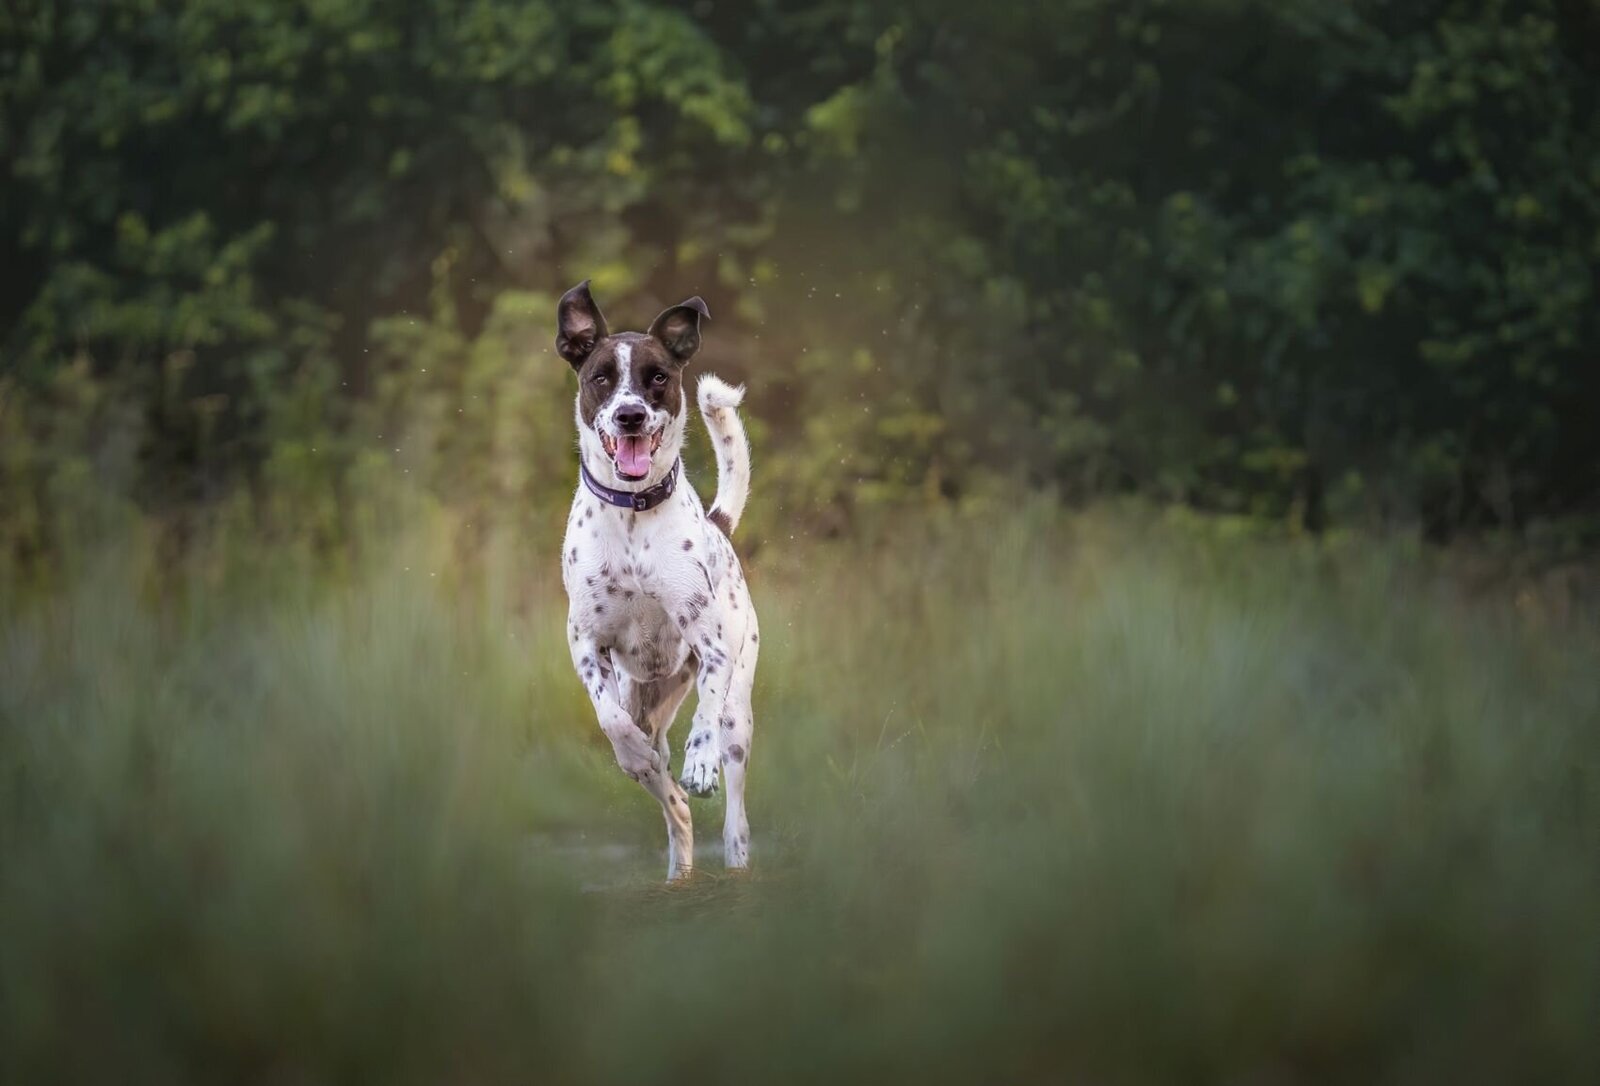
point(636, 751)
point(716, 634)
point(702, 753)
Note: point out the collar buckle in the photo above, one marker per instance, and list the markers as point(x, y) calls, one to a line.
point(640, 503)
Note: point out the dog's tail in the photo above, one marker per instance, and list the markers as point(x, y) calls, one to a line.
point(718, 401)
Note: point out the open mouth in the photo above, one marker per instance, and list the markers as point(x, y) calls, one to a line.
point(631, 453)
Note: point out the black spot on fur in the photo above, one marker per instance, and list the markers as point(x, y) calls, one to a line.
point(736, 752)
point(722, 521)
point(688, 545)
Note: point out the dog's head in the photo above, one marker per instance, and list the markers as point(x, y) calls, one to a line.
point(630, 387)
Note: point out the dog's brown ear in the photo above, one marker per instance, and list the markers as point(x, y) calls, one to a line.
point(579, 324)
point(678, 328)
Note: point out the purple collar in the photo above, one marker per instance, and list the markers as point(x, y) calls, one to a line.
point(637, 500)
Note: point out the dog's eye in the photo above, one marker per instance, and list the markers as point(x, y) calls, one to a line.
point(600, 379)
point(659, 380)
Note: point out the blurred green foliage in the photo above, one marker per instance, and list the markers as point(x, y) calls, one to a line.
point(1297, 260)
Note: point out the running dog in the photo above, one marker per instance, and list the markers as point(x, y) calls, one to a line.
point(656, 599)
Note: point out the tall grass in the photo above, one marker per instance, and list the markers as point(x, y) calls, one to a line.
point(1040, 799)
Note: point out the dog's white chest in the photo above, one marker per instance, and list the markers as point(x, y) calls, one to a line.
point(625, 572)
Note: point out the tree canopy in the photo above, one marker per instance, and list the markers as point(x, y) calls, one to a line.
point(1306, 261)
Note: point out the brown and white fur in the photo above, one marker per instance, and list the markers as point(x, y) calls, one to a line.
point(657, 601)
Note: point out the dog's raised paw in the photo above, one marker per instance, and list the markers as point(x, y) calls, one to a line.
point(700, 777)
point(638, 759)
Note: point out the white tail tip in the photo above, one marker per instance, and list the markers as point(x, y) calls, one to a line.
point(716, 394)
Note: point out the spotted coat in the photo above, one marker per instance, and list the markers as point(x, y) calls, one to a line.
point(657, 601)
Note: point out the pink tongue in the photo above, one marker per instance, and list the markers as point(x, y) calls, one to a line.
point(633, 456)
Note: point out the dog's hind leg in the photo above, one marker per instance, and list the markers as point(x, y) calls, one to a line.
point(653, 705)
point(737, 726)
point(735, 721)
point(658, 708)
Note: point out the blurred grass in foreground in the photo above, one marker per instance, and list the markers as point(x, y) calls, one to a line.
point(1047, 799)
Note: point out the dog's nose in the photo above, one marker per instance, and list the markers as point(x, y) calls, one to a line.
point(630, 420)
